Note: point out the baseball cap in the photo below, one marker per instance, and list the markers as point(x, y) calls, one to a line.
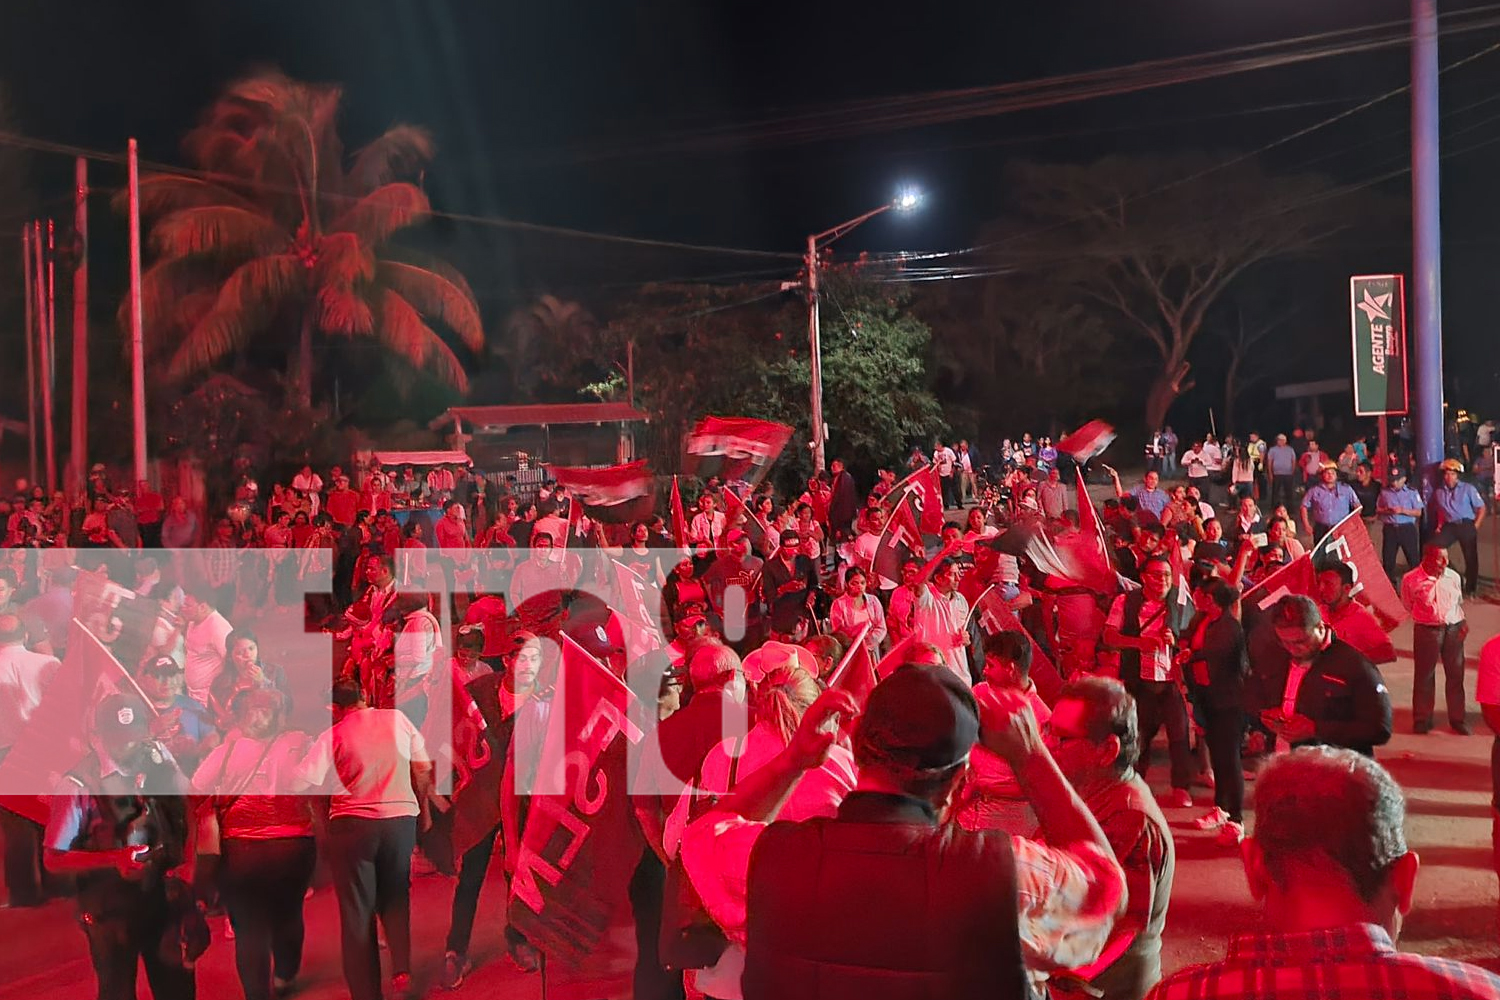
point(919, 718)
point(122, 716)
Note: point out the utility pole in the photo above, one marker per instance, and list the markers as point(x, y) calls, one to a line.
point(51, 393)
point(78, 424)
point(137, 323)
point(815, 352)
point(1427, 290)
point(44, 362)
point(30, 351)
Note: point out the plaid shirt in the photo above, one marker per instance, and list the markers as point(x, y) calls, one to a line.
point(1356, 962)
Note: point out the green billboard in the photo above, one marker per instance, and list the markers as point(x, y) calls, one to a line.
point(1377, 305)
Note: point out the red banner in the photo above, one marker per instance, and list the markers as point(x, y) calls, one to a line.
point(855, 672)
point(1348, 543)
point(581, 843)
point(734, 447)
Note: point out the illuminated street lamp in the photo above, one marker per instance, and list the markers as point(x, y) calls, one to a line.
point(907, 199)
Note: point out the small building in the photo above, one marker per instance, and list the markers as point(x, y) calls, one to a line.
point(502, 439)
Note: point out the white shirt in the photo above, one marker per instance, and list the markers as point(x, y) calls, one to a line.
point(707, 528)
point(1196, 464)
point(370, 753)
point(966, 461)
point(1153, 619)
point(552, 525)
point(203, 654)
point(943, 622)
point(848, 618)
point(1213, 457)
point(1433, 600)
point(24, 676)
point(944, 458)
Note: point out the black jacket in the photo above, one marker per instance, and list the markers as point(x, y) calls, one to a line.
point(1343, 693)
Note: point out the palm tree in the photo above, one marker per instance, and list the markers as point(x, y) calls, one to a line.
point(277, 238)
point(547, 320)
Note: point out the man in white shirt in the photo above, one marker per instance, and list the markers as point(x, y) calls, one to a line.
point(551, 523)
point(945, 459)
point(374, 765)
point(1433, 595)
point(940, 615)
point(968, 487)
point(24, 677)
point(202, 641)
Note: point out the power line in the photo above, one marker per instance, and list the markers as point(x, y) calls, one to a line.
point(105, 156)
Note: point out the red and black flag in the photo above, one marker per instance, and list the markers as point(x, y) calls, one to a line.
point(928, 500)
point(679, 517)
point(1348, 543)
point(615, 495)
point(734, 447)
point(901, 540)
point(758, 530)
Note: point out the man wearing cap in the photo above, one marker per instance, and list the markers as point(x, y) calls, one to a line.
point(885, 899)
point(737, 568)
point(1398, 508)
point(1459, 510)
point(1327, 503)
point(119, 824)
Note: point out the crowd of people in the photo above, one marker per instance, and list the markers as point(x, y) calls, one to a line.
point(948, 831)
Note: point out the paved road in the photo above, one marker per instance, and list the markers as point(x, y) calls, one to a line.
point(1447, 779)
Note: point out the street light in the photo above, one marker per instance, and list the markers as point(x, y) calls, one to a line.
point(907, 199)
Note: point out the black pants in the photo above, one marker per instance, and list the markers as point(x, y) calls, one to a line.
point(371, 864)
point(1158, 704)
point(471, 872)
point(1430, 644)
point(263, 883)
point(1464, 533)
point(647, 886)
point(1224, 729)
point(1402, 537)
point(118, 945)
point(23, 859)
point(1284, 490)
point(950, 491)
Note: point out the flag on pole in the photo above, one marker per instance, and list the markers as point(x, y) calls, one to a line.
point(55, 738)
point(929, 498)
point(636, 597)
point(855, 672)
point(581, 842)
point(1348, 543)
point(758, 530)
point(734, 447)
point(614, 495)
point(896, 657)
point(900, 540)
point(1087, 441)
point(995, 616)
point(679, 518)
point(461, 750)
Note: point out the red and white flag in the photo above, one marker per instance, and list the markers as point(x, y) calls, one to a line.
point(734, 447)
point(636, 598)
point(1087, 441)
point(614, 495)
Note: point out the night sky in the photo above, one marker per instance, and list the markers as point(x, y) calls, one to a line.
point(555, 113)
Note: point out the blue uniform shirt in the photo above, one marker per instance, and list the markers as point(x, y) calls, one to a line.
point(1330, 504)
point(1153, 500)
point(1460, 503)
point(1405, 497)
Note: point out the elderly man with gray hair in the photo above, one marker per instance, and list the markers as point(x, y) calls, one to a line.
point(1329, 864)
